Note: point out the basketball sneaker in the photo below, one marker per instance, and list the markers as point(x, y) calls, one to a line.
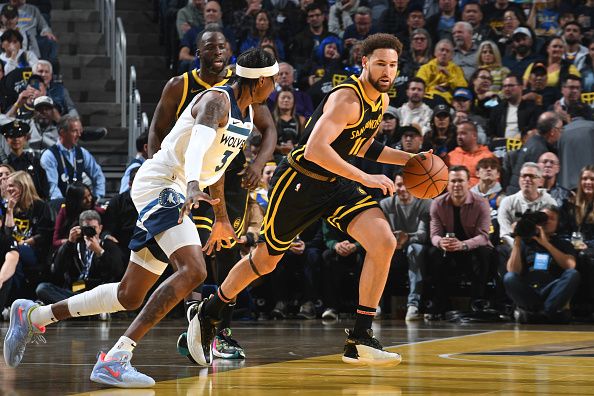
point(225, 347)
point(201, 333)
point(182, 346)
point(21, 331)
point(368, 350)
point(117, 371)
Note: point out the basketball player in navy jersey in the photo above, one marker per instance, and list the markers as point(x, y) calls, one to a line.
point(315, 180)
point(228, 217)
point(207, 136)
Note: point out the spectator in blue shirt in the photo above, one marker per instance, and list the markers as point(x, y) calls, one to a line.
point(66, 162)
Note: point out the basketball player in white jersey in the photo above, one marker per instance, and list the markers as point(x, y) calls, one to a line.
point(207, 136)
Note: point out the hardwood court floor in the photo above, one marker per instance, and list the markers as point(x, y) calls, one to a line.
point(298, 357)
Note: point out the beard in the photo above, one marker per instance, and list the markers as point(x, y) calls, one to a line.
point(379, 88)
point(571, 41)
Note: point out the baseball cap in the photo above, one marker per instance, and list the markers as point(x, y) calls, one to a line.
point(441, 109)
point(463, 93)
point(522, 30)
point(539, 68)
point(391, 110)
point(15, 129)
point(43, 101)
point(410, 129)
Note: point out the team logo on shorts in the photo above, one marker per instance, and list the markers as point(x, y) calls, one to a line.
point(236, 223)
point(169, 198)
point(361, 191)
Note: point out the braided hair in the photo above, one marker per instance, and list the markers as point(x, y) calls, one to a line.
point(253, 58)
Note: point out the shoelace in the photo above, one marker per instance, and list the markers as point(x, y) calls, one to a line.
point(38, 339)
point(230, 341)
point(371, 341)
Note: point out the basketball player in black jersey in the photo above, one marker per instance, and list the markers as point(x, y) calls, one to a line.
point(233, 188)
point(317, 181)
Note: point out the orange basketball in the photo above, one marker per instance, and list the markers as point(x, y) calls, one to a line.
point(425, 176)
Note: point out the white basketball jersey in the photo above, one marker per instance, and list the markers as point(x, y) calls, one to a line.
point(229, 141)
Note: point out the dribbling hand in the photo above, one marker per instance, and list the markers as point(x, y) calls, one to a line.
point(382, 182)
point(194, 195)
point(221, 236)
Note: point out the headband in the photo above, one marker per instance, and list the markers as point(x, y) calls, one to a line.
point(256, 72)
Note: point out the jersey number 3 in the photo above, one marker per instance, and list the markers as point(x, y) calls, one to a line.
point(224, 160)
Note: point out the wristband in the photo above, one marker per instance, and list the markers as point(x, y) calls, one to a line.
point(374, 150)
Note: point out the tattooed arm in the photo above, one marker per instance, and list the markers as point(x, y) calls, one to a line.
point(265, 124)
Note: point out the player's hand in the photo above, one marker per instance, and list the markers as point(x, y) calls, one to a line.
point(424, 154)
point(252, 174)
point(382, 182)
point(194, 195)
point(221, 236)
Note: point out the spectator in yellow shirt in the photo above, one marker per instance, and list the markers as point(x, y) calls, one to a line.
point(442, 75)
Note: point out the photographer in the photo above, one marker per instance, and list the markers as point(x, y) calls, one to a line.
point(541, 277)
point(86, 260)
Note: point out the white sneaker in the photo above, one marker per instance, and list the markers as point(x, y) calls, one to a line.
point(330, 314)
point(412, 313)
point(368, 350)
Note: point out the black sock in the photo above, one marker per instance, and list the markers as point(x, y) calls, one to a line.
point(226, 316)
point(215, 305)
point(363, 320)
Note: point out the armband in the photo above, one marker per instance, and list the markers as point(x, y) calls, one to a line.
point(374, 150)
point(200, 140)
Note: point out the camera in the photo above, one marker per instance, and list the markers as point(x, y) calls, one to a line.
point(526, 226)
point(88, 231)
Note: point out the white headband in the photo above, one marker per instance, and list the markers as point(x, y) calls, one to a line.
point(256, 72)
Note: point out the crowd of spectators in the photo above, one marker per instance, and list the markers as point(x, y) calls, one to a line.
point(49, 184)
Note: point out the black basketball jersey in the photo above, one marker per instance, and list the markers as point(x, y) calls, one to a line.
point(193, 85)
point(353, 137)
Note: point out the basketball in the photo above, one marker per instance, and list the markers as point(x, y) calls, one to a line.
point(425, 176)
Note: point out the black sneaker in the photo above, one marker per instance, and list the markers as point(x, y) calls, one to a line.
point(225, 347)
point(201, 333)
point(307, 311)
point(368, 350)
point(279, 311)
point(182, 346)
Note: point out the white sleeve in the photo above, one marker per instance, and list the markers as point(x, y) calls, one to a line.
point(201, 139)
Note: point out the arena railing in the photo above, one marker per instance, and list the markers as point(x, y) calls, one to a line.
point(115, 42)
point(137, 120)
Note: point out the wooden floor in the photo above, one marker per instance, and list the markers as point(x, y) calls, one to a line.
point(303, 357)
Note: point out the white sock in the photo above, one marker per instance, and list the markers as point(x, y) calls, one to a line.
point(43, 315)
point(123, 344)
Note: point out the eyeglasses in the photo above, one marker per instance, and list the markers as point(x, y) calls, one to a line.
point(419, 38)
point(530, 176)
